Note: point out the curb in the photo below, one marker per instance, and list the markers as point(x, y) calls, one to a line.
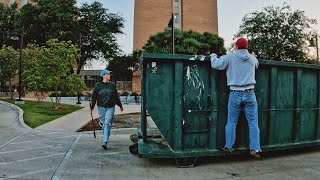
point(124, 131)
point(120, 131)
point(20, 114)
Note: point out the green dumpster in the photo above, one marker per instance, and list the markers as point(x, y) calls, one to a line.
point(187, 100)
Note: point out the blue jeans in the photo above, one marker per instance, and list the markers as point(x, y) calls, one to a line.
point(106, 117)
point(243, 101)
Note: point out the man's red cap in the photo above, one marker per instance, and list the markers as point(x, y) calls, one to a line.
point(242, 43)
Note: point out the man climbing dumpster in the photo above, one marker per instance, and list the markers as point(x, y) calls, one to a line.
point(240, 69)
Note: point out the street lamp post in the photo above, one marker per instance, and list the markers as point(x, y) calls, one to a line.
point(80, 36)
point(171, 27)
point(79, 60)
point(317, 48)
point(20, 101)
point(20, 65)
point(172, 32)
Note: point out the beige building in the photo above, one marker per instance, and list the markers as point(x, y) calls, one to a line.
point(19, 2)
point(151, 17)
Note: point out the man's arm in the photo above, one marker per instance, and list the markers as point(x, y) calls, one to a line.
point(94, 97)
point(218, 63)
point(118, 102)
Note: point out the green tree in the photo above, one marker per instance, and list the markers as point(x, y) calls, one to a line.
point(46, 19)
point(277, 33)
point(63, 20)
point(7, 16)
point(123, 66)
point(186, 42)
point(98, 27)
point(8, 66)
point(47, 68)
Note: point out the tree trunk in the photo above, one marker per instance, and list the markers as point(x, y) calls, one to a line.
point(56, 96)
point(10, 90)
point(1, 88)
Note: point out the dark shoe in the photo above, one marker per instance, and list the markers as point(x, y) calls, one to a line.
point(255, 155)
point(227, 150)
point(104, 145)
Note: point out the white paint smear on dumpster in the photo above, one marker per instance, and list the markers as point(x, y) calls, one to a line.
point(194, 80)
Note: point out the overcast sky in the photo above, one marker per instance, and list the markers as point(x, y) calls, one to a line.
point(230, 14)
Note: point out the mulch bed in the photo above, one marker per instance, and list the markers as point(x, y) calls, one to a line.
point(131, 120)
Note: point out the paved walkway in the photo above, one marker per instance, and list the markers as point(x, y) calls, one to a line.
point(44, 152)
point(74, 121)
point(48, 154)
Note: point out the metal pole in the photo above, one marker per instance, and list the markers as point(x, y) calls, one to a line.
point(317, 48)
point(80, 37)
point(172, 32)
point(20, 64)
point(143, 102)
point(78, 98)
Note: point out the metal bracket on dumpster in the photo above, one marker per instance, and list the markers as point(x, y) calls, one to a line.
point(197, 58)
point(154, 68)
point(207, 110)
point(208, 124)
point(209, 102)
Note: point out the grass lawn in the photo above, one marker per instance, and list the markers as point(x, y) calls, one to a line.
point(38, 113)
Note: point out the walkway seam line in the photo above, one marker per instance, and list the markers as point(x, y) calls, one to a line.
point(59, 170)
point(13, 139)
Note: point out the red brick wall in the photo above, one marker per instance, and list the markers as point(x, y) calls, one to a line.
point(150, 17)
point(136, 82)
point(7, 2)
point(200, 16)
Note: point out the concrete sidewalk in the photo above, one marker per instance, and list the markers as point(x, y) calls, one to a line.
point(74, 121)
point(54, 155)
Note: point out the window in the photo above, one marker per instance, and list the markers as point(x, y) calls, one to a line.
point(176, 18)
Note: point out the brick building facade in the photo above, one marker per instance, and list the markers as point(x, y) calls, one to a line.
point(19, 2)
point(151, 17)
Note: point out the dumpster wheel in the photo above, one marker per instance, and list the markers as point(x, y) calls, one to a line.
point(186, 162)
point(134, 149)
point(134, 138)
